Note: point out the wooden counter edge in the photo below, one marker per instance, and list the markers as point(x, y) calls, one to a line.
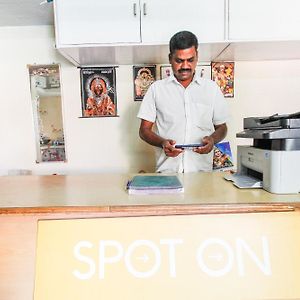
point(151, 210)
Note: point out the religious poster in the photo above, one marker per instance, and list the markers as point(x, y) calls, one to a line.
point(98, 92)
point(143, 76)
point(165, 71)
point(203, 70)
point(222, 159)
point(223, 75)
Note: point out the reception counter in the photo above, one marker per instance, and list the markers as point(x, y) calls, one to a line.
point(26, 199)
point(106, 193)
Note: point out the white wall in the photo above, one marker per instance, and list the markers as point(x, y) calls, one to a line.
point(263, 88)
point(112, 144)
point(92, 145)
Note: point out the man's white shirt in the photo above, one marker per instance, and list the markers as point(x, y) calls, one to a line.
point(185, 115)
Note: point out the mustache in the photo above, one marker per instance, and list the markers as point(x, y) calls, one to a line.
point(184, 70)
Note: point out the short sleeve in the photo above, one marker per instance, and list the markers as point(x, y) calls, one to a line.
point(147, 109)
point(221, 108)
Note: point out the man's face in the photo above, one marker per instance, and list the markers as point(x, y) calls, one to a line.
point(184, 63)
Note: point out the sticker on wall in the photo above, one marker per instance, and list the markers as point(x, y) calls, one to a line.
point(98, 92)
point(203, 70)
point(223, 75)
point(143, 76)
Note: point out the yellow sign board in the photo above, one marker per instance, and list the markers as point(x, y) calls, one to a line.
point(231, 257)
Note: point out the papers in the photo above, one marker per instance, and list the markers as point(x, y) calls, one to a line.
point(244, 181)
point(157, 184)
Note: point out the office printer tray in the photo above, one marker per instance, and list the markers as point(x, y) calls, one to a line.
point(257, 123)
point(272, 133)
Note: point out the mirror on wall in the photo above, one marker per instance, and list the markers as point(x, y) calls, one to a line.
point(47, 112)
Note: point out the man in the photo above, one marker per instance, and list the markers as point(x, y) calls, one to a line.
point(185, 109)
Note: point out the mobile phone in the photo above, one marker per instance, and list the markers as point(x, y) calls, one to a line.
point(188, 146)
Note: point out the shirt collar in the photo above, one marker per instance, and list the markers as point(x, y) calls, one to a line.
point(196, 78)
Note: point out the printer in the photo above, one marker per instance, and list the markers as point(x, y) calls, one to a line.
point(273, 161)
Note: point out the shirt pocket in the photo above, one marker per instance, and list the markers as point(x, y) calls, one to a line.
point(202, 116)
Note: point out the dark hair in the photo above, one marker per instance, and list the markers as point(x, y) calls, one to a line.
point(182, 40)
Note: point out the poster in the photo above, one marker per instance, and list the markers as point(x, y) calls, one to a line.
point(223, 75)
point(98, 92)
point(143, 76)
point(222, 159)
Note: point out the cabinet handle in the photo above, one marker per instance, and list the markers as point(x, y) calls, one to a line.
point(145, 9)
point(134, 9)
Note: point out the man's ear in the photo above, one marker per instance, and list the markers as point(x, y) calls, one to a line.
point(170, 57)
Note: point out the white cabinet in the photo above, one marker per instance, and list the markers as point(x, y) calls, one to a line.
point(94, 21)
point(264, 20)
point(86, 22)
point(160, 19)
point(93, 32)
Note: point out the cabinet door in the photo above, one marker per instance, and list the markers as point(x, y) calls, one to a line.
point(94, 21)
point(264, 20)
point(161, 19)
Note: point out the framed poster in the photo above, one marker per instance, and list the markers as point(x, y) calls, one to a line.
point(143, 77)
point(165, 71)
point(202, 69)
point(98, 92)
point(223, 75)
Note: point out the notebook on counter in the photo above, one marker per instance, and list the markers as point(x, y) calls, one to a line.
point(157, 184)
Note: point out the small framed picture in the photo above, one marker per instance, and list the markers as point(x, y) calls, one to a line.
point(143, 77)
point(165, 71)
point(223, 74)
point(204, 71)
point(98, 92)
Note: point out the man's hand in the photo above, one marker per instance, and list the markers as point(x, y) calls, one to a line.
point(169, 148)
point(209, 141)
point(208, 145)
point(152, 138)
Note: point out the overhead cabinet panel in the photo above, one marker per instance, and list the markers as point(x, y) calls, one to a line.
point(161, 19)
point(91, 32)
point(264, 20)
point(81, 22)
point(93, 21)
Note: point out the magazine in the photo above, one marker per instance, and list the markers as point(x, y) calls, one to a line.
point(222, 159)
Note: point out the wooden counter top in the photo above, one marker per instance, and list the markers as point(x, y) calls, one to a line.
point(204, 193)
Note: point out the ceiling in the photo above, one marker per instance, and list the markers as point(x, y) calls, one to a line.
point(26, 12)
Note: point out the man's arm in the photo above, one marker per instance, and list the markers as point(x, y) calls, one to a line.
point(146, 133)
point(220, 133)
point(209, 141)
